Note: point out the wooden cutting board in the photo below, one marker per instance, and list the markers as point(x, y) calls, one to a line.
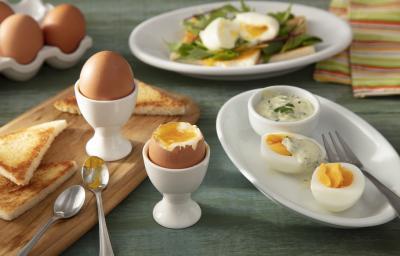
point(125, 176)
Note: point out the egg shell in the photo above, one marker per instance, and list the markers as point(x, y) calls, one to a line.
point(5, 11)
point(179, 157)
point(339, 199)
point(64, 27)
point(106, 75)
point(282, 163)
point(21, 38)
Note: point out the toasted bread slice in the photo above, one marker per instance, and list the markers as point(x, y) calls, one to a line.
point(155, 101)
point(15, 200)
point(247, 58)
point(68, 105)
point(296, 53)
point(150, 101)
point(22, 151)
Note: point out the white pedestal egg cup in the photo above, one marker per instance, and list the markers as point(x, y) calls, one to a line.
point(176, 210)
point(107, 118)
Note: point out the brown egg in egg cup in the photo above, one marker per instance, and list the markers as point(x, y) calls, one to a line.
point(176, 210)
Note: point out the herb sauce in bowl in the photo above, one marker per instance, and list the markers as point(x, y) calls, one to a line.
point(284, 108)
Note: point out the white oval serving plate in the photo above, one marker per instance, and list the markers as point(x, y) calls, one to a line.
point(242, 145)
point(148, 41)
point(50, 54)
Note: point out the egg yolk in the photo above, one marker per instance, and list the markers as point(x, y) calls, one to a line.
point(254, 31)
point(174, 132)
point(274, 142)
point(334, 175)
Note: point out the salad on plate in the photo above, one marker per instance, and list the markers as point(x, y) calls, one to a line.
point(240, 37)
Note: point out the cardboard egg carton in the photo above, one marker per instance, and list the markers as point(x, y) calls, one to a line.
point(49, 54)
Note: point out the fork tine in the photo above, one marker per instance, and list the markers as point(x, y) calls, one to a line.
point(339, 150)
point(328, 149)
point(352, 158)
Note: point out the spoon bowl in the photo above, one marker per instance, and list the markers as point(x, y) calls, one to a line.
point(70, 201)
point(95, 174)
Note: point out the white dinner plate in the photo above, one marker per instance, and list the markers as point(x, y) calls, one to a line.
point(242, 145)
point(148, 41)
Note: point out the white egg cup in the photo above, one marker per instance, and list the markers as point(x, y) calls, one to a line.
point(176, 210)
point(107, 119)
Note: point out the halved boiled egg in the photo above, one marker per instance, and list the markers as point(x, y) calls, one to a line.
point(291, 153)
point(337, 186)
point(177, 145)
point(256, 27)
point(220, 34)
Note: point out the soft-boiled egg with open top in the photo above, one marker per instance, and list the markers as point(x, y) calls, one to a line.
point(177, 145)
point(291, 153)
point(337, 186)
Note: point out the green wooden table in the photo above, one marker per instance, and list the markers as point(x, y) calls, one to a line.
point(237, 219)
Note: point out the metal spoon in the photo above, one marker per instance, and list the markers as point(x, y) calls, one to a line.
point(67, 204)
point(95, 178)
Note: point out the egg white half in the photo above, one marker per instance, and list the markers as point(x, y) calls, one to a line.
point(282, 163)
point(220, 34)
point(338, 199)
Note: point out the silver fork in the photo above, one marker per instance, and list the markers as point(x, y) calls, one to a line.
point(341, 152)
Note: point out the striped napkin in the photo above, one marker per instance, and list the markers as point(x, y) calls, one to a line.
point(372, 62)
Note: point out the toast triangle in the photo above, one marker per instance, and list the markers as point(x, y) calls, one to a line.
point(22, 151)
point(151, 100)
point(155, 101)
point(15, 200)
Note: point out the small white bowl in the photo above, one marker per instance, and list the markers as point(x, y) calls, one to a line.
point(107, 118)
point(262, 125)
point(176, 209)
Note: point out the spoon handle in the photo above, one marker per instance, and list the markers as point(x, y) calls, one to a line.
point(28, 247)
point(105, 243)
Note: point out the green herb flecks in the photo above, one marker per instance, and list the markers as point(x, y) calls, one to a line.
point(285, 109)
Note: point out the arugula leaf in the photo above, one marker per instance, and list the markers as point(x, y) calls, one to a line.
point(197, 51)
point(190, 51)
point(285, 29)
point(300, 40)
point(198, 22)
point(225, 55)
point(284, 16)
point(271, 49)
point(244, 7)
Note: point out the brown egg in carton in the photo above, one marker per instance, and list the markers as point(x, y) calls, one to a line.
point(32, 33)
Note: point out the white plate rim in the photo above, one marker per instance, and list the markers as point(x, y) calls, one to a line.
point(335, 221)
point(220, 71)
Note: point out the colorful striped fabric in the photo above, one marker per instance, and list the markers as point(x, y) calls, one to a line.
point(373, 65)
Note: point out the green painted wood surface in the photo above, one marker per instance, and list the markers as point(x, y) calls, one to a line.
point(237, 219)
